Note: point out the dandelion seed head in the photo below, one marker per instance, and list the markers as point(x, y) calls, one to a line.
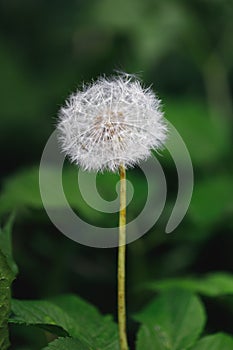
point(112, 122)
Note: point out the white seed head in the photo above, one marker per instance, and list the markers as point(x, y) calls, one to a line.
point(113, 122)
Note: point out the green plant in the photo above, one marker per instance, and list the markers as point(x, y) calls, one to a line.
point(174, 319)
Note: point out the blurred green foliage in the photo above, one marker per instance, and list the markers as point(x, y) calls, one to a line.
point(183, 48)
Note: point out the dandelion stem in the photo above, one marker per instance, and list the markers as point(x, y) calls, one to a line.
point(121, 262)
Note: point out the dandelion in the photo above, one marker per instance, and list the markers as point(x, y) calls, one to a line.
point(112, 125)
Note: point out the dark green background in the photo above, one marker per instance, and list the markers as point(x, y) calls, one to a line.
point(183, 48)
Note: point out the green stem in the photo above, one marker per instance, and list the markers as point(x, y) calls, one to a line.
point(121, 263)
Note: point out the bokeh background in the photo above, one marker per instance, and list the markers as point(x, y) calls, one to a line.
point(184, 49)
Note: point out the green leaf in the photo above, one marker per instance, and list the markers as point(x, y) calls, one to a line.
point(219, 341)
point(199, 131)
point(8, 271)
point(214, 284)
point(75, 316)
point(66, 344)
point(22, 191)
point(173, 321)
point(42, 313)
point(148, 339)
point(212, 200)
point(101, 332)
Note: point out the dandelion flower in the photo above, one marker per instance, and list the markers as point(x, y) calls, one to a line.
point(110, 123)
